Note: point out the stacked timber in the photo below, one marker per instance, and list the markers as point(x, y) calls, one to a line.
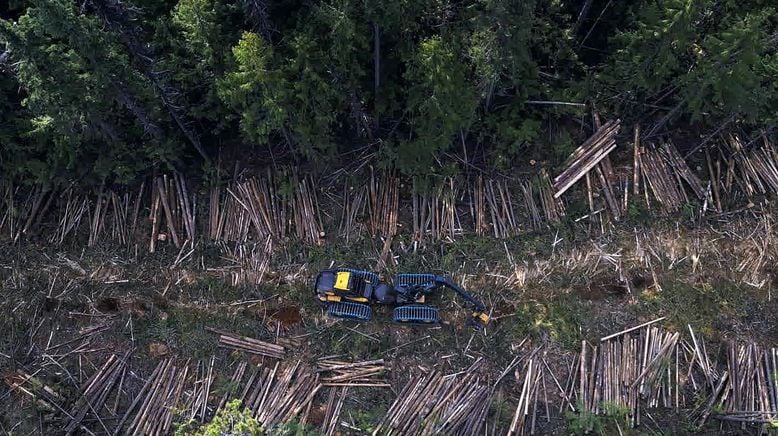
point(267, 212)
point(154, 407)
point(335, 400)
point(552, 205)
point(746, 392)
point(338, 373)
point(437, 404)
point(527, 408)
point(248, 345)
point(95, 393)
point(435, 214)
point(171, 205)
point(354, 207)
point(196, 405)
point(305, 210)
point(757, 167)
point(383, 205)
point(492, 207)
point(72, 210)
point(587, 156)
point(664, 171)
point(256, 208)
point(627, 369)
point(279, 394)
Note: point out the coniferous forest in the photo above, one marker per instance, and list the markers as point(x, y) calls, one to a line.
point(107, 90)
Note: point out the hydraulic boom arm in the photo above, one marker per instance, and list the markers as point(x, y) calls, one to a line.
point(479, 314)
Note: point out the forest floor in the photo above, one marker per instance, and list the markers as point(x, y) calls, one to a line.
point(555, 288)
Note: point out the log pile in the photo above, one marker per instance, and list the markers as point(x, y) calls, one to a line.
point(228, 219)
point(757, 167)
point(154, 407)
point(552, 205)
point(437, 404)
point(746, 392)
point(533, 212)
point(266, 210)
point(354, 207)
point(492, 207)
point(197, 397)
point(335, 400)
point(71, 213)
point(628, 368)
point(532, 383)
point(305, 210)
point(262, 207)
point(338, 373)
point(383, 205)
point(279, 204)
point(478, 206)
point(277, 395)
point(95, 393)
point(664, 171)
point(587, 156)
point(435, 214)
point(248, 345)
point(173, 206)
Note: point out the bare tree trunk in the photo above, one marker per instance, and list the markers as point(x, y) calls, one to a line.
point(376, 68)
point(582, 16)
point(256, 11)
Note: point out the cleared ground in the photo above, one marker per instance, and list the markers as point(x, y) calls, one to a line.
point(555, 288)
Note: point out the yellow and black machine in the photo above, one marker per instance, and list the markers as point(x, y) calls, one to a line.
point(348, 293)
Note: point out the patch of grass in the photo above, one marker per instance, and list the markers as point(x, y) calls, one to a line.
point(357, 254)
point(704, 306)
point(558, 319)
point(213, 289)
point(183, 330)
point(342, 338)
point(367, 419)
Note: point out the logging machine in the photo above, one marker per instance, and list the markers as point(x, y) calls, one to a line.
point(348, 293)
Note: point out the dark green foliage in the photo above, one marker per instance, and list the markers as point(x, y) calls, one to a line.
point(104, 91)
point(707, 59)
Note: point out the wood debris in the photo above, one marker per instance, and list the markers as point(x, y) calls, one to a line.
point(22, 382)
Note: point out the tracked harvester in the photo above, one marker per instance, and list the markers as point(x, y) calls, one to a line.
point(349, 293)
